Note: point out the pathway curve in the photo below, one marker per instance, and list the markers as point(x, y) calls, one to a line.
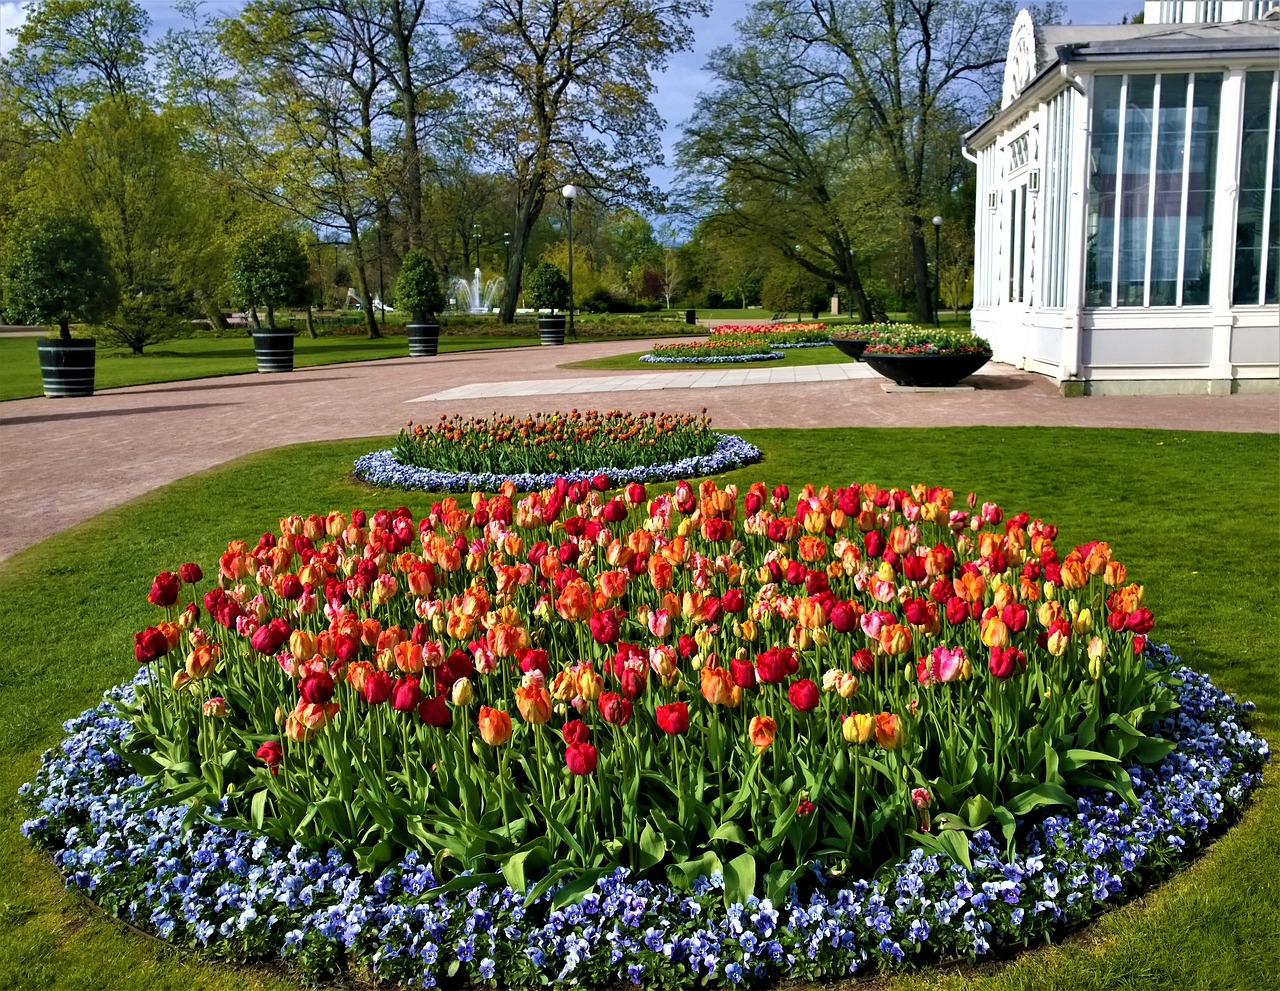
point(65, 460)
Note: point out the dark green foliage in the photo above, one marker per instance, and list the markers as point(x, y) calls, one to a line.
point(142, 319)
point(418, 287)
point(270, 268)
point(546, 288)
point(57, 272)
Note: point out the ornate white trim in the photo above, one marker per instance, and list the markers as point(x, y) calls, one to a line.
point(1020, 64)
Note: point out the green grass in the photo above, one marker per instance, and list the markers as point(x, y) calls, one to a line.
point(1194, 516)
point(791, 357)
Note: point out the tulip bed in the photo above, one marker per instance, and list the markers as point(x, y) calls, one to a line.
point(777, 335)
point(888, 338)
point(455, 744)
point(719, 351)
point(533, 452)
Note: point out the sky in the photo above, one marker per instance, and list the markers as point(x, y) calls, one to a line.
point(677, 88)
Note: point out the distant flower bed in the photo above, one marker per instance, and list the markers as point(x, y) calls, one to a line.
point(712, 351)
point(714, 359)
point(777, 335)
point(909, 339)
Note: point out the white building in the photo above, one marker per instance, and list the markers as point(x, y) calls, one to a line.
point(1128, 221)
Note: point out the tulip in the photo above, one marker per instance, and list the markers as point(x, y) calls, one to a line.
point(271, 754)
point(495, 726)
point(149, 644)
point(1005, 662)
point(590, 684)
point(718, 687)
point(190, 572)
point(317, 688)
point(580, 758)
point(775, 664)
point(673, 718)
point(743, 673)
point(215, 708)
point(377, 687)
point(462, 693)
point(433, 711)
point(406, 694)
point(895, 639)
point(888, 730)
point(164, 589)
point(803, 695)
point(307, 719)
point(575, 731)
point(761, 731)
point(534, 703)
point(615, 709)
point(202, 661)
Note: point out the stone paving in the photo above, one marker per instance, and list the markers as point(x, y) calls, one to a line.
point(63, 461)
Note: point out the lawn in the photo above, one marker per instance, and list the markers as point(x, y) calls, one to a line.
point(1193, 515)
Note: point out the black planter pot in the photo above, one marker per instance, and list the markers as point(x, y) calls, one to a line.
point(66, 367)
point(551, 330)
point(851, 348)
point(424, 339)
point(274, 350)
point(926, 370)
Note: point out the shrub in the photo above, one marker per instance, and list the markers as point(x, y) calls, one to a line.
point(57, 272)
point(418, 286)
point(546, 288)
point(144, 318)
point(269, 268)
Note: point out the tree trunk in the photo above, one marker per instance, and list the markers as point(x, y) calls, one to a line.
point(64, 329)
point(362, 279)
point(311, 324)
point(214, 313)
point(271, 317)
point(920, 272)
point(254, 322)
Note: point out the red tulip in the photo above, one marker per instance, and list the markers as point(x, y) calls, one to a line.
point(673, 718)
point(164, 589)
point(732, 600)
point(614, 708)
point(775, 664)
point(317, 688)
point(271, 754)
point(267, 638)
point(863, 661)
point(580, 758)
point(149, 644)
point(190, 572)
point(575, 731)
point(406, 694)
point(803, 694)
point(1006, 662)
point(377, 687)
point(743, 673)
point(434, 711)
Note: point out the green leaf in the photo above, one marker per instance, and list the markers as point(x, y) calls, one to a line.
point(955, 842)
point(739, 879)
point(691, 870)
point(652, 847)
point(1042, 794)
point(258, 809)
point(730, 832)
point(977, 810)
point(579, 887)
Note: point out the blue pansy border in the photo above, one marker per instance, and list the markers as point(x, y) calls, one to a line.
point(715, 359)
point(383, 468)
point(243, 896)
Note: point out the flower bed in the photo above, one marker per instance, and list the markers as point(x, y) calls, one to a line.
point(719, 351)
point(777, 335)
point(911, 339)
point(711, 691)
point(384, 468)
point(242, 896)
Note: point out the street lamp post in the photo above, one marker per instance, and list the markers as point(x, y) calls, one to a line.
point(937, 270)
point(506, 253)
point(475, 232)
point(570, 193)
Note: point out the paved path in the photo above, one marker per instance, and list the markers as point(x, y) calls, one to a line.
point(65, 460)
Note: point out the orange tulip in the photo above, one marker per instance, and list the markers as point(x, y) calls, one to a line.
point(895, 639)
point(495, 726)
point(202, 661)
point(888, 730)
point(718, 687)
point(574, 603)
point(761, 731)
point(307, 719)
point(534, 704)
point(408, 657)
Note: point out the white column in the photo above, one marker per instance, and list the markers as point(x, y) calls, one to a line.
point(1222, 262)
point(1075, 219)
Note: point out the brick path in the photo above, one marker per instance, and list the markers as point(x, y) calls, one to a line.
point(66, 460)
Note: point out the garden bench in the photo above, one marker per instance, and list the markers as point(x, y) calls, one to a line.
point(778, 318)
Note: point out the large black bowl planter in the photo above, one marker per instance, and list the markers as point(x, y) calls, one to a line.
point(551, 330)
point(66, 367)
point(926, 370)
point(274, 350)
point(851, 348)
point(424, 339)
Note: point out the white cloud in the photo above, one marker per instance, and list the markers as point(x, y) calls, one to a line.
point(11, 17)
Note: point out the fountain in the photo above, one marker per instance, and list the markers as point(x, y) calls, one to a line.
point(476, 296)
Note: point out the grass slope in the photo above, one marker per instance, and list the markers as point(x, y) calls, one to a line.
point(1194, 516)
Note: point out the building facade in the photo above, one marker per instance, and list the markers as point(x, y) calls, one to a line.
point(1128, 221)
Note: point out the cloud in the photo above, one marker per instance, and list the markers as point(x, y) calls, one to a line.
point(11, 17)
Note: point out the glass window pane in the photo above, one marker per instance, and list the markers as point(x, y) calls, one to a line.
point(1259, 121)
point(1202, 165)
point(1170, 159)
point(1134, 191)
point(1105, 127)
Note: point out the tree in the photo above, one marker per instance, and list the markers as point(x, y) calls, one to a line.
point(914, 71)
point(57, 272)
point(562, 92)
point(70, 55)
point(418, 287)
point(772, 156)
point(142, 319)
point(546, 288)
point(269, 268)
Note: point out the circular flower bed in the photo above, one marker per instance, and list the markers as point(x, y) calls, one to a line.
point(584, 733)
point(713, 352)
point(533, 452)
point(912, 339)
point(242, 896)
